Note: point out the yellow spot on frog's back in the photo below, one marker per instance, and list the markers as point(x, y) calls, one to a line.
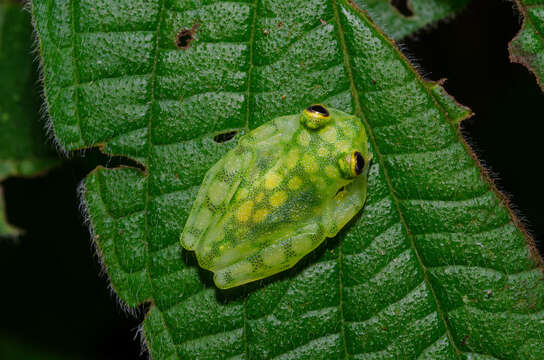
point(331, 171)
point(302, 245)
point(259, 197)
point(342, 146)
point(328, 134)
point(278, 198)
point(217, 192)
point(273, 256)
point(309, 163)
point(244, 211)
point(292, 158)
point(271, 180)
point(203, 218)
point(242, 194)
point(294, 183)
point(304, 138)
point(322, 151)
point(260, 215)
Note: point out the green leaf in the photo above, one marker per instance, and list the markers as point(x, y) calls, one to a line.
point(435, 266)
point(419, 14)
point(23, 151)
point(527, 48)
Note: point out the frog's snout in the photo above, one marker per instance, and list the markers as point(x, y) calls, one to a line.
point(315, 116)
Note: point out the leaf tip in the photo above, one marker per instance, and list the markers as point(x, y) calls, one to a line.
point(454, 111)
point(527, 47)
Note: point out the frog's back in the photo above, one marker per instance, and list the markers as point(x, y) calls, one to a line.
point(260, 212)
point(283, 189)
point(260, 208)
point(223, 216)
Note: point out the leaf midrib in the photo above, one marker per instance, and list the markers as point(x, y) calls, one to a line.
point(379, 156)
point(340, 246)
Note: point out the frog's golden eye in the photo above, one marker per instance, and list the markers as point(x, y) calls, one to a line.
point(318, 110)
point(352, 164)
point(357, 163)
point(315, 116)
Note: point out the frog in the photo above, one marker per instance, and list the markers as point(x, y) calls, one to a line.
point(278, 194)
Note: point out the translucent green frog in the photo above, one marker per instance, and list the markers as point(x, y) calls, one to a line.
point(278, 194)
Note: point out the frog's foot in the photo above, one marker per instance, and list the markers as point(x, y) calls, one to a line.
point(279, 256)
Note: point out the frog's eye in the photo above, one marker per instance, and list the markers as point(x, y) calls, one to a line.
point(315, 116)
point(318, 110)
point(352, 164)
point(357, 163)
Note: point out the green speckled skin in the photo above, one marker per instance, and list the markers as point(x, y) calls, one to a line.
point(277, 195)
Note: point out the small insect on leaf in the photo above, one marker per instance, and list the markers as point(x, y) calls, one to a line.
point(275, 197)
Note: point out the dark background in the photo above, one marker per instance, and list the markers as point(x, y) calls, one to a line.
point(53, 298)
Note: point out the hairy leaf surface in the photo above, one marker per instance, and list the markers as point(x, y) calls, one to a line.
point(527, 48)
point(416, 15)
point(434, 267)
point(23, 151)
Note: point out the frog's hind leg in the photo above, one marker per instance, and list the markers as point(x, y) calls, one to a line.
point(219, 186)
point(223, 179)
point(345, 205)
point(282, 254)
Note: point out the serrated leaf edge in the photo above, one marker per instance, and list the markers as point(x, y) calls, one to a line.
point(515, 58)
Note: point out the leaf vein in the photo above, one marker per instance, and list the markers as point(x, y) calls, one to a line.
point(359, 110)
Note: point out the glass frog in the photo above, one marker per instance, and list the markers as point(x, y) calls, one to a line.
point(278, 194)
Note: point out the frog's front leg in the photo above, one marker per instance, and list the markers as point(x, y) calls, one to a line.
point(280, 255)
point(345, 204)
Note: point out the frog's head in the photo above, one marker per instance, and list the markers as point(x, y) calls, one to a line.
point(341, 141)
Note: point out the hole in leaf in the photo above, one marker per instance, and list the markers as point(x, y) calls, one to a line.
point(224, 137)
point(185, 37)
point(402, 7)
